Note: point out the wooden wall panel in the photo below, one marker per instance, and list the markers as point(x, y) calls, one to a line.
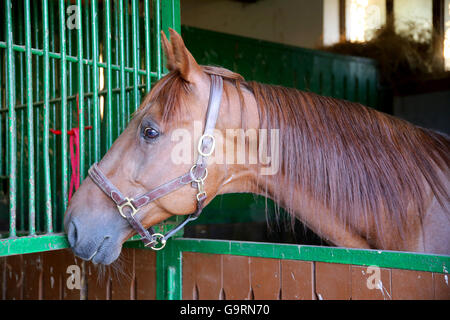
point(145, 274)
point(33, 271)
point(365, 287)
point(51, 278)
point(14, 277)
point(297, 280)
point(189, 285)
point(2, 278)
point(236, 277)
point(208, 276)
point(212, 276)
point(98, 282)
point(265, 278)
point(333, 281)
point(408, 284)
point(66, 259)
point(441, 286)
point(122, 276)
point(202, 276)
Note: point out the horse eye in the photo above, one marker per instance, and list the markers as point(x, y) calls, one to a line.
point(150, 133)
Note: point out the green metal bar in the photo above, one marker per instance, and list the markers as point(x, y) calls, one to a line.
point(45, 136)
point(95, 82)
point(380, 258)
point(12, 130)
point(116, 82)
point(80, 93)
point(171, 283)
point(108, 105)
point(21, 116)
point(30, 119)
point(63, 73)
point(157, 18)
point(122, 65)
point(127, 55)
point(70, 80)
point(1, 117)
point(31, 244)
point(148, 66)
point(53, 86)
point(134, 26)
point(38, 104)
point(69, 58)
point(87, 78)
point(37, 139)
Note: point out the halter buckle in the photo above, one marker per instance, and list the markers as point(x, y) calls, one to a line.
point(127, 204)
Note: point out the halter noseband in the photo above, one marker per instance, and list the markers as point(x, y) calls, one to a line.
point(196, 177)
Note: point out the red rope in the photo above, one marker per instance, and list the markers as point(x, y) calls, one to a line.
point(74, 146)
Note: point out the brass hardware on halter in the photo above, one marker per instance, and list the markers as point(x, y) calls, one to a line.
point(200, 182)
point(201, 189)
point(127, 204)
point(157, 238)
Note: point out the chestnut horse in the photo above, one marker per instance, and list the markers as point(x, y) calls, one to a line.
point(357, 177)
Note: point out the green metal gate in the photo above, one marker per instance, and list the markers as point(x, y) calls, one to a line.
point(67, 65)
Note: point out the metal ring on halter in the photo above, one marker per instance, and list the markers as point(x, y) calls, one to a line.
point(191, 172)
point(155, 240)
point(200, 143)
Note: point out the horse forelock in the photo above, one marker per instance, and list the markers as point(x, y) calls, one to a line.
point(171, 92)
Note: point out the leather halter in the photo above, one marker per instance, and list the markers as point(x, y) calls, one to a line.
point(128, 207)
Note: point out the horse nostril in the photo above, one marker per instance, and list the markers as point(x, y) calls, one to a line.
point(72, 234)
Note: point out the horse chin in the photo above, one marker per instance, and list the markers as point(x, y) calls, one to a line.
point(107, 253)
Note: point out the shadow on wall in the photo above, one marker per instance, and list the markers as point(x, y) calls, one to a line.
point(429, 110)
point(425, 103)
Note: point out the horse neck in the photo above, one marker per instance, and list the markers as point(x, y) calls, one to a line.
point(308, 183)
point(243, 113)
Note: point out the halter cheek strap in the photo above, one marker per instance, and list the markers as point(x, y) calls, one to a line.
point(128, 207)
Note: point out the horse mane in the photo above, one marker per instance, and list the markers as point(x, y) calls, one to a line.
point(365, 166)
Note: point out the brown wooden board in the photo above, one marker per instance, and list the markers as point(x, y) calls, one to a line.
point(441, 286)
point(51, 275)
point(370, 283)
point(14, 278)
point(122, 276)
point(2, 278)
point(145, 274)
point(236, 277)
point(189, 285)
point(265, 278)
point(208, 276)
point(98, 282)
point(333, 281)
point(408, 284)
point(71, 287)
point(297, 280)
point(33, 271)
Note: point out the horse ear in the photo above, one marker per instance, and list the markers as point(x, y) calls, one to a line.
point(170, 57)
point(179, 58)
